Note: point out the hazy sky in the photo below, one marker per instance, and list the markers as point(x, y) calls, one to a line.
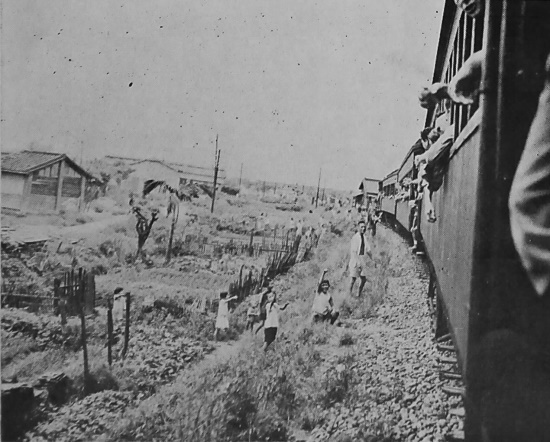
point(290, 86)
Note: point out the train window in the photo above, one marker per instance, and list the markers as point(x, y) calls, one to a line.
point(466, 38)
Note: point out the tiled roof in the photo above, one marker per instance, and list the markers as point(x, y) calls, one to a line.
point(28, 161)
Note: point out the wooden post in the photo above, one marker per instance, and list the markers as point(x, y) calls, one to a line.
point(59, 294)
point(171, 238)
point(216, 167)
point(82, 192)
point(80, 304)
point(318, 185)
point(110, 331)
point(240, 177)
point(251, 244)
point(58, 195)
point(126, 326)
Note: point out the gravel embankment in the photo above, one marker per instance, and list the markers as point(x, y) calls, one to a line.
point(399, 395)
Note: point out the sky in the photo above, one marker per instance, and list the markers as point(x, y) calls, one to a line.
point(290, 87)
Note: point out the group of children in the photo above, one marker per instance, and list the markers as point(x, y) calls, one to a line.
point(263, 309)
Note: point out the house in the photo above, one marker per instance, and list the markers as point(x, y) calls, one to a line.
point(150, 169)
point(42, 181)
point(173, 174)
point(368, 191)
point(197, 174)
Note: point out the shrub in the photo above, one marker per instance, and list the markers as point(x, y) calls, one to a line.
point(346, 339)
point(82, 219)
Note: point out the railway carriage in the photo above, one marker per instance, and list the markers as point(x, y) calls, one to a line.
point(389, 192)
point(499, 326)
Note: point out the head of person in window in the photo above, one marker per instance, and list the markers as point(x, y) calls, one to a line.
point(474, 8)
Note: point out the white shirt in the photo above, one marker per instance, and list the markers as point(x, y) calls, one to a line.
point(322, 303)
point(272, 318)
point(355, 258)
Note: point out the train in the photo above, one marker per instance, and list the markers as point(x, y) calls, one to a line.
point(480, 292)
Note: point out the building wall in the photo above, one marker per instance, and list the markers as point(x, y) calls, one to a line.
point(13, 186)
point(151, 170)
point(42, 189)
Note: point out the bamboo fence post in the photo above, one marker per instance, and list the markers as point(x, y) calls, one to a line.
point(62, 300)
point(80, 303)
point(126, 326)
point(110, 331)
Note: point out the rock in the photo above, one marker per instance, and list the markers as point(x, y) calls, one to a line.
point(17, 408)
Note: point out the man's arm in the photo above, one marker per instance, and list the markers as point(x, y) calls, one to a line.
point(530, 199)
point(462, 89)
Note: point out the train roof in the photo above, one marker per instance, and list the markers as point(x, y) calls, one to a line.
point(391, 175)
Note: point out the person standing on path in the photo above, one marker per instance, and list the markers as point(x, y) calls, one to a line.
point(272, 319)
point(359, 251)
point(222, 321)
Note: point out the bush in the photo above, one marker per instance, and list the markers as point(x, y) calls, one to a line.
point(346, 339)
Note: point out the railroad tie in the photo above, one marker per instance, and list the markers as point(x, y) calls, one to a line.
point(455, 436)
point(453, 391)
point(443, 338)
point(459, 412)
point(446, 347)
point(449, 375)
point(446, 360)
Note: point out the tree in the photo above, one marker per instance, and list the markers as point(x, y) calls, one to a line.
point(143, 226)
point(184, 193)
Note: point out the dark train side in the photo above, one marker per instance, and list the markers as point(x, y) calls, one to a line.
point(500, 327)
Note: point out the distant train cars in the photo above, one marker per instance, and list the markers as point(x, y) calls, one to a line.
point(499, 326)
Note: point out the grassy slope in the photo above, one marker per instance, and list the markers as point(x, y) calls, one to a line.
point(259, 396)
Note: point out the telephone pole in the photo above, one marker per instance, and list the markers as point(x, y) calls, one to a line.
point(216, 167)
point(241, 177)
point(318, 185)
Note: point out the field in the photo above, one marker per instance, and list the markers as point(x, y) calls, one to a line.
point(167, 333)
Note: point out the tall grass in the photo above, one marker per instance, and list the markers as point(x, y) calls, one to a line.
point(257, 396)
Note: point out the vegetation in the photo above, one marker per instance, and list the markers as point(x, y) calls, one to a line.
point(257, 396)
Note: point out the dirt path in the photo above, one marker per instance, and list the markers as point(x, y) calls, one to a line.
point(23, 233)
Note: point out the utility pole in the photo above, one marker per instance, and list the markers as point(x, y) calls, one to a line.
point(318, 185)
point(216, 167)
point(241, 177)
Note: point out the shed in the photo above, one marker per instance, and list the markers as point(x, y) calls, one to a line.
point(33, 180)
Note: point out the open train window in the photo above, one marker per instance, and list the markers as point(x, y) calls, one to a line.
point(466, 38)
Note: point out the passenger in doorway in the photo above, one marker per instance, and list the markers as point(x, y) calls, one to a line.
point(530, 197)
point(323, 305)
point(360, 250)
point(432, 165)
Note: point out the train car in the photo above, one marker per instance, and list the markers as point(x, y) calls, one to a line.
point(389, 192)
point(405, 174)
point(499, 326)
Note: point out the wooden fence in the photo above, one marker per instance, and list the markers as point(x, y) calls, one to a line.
point(249, 283)
point(75, 289)
point(256, 244)
point(70, 289)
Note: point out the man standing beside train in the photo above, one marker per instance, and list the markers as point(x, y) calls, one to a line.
point(359, 251)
